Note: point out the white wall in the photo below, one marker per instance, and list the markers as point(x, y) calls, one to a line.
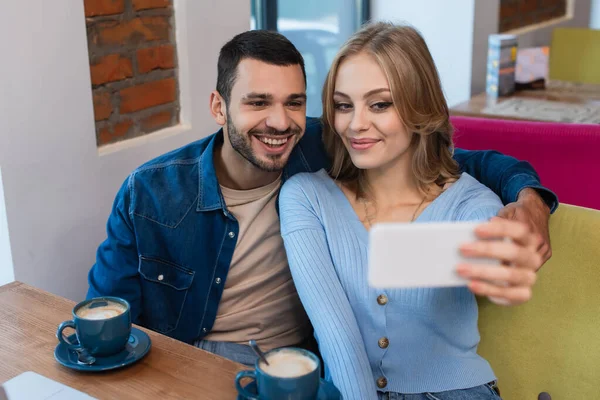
point(447, 27)
point(595, 14)
point(485, 24)
point(7, 274)
point(58, 188)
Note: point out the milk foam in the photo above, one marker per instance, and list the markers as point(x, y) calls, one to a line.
point(110, 310)
point(288, 364)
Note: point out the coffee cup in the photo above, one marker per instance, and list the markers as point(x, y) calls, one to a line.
point(292, 374)
point(102, 325)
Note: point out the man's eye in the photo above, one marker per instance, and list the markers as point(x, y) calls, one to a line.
point(295, 104)
point(258, 103)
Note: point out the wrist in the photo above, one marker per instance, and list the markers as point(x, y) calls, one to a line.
point(532, 197)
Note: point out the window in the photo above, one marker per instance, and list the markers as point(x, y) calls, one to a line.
point(317, 28)
point(133, 67)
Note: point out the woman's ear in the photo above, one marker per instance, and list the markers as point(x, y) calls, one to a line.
point(218, 108)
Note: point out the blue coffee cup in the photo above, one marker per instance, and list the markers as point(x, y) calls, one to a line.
point(272, 387)
point(102, 325)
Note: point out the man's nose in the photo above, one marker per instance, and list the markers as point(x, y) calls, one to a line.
point(278, 119)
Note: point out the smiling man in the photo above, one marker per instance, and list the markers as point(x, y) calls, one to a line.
point(193, 238)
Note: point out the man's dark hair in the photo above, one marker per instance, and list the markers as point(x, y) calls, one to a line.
point(267, 46)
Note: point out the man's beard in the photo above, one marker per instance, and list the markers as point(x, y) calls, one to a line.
point(242, 144)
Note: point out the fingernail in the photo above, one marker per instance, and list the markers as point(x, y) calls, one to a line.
point(467, 247)
point(462, 269)
point(482, 228)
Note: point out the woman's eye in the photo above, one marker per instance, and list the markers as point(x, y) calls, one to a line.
point(342, 106)
point(381, 106)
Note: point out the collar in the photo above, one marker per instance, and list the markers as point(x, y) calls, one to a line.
point(209, 192)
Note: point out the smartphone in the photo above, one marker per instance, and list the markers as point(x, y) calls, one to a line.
point(409, 255)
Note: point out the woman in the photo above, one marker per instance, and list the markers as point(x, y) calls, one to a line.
point(388, 133)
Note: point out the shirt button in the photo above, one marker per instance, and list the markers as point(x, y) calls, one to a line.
point(161, 277)
point(204, 330)
point(383, 342)
point(231, 235)
point(381, 382)
point(382, 299)
point(218, 280)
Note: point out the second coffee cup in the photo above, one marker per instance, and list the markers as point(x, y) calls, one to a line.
point(292, 374)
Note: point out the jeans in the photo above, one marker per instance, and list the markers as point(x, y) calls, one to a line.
point(243, 354)
point(239, 353)
point(489, 391)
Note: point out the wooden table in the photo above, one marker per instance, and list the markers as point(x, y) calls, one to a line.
point(171, 370)
point(558, 93)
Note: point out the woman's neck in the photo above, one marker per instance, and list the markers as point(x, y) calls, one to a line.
point(393, 184)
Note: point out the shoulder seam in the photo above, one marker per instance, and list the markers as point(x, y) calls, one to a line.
point(185, 161)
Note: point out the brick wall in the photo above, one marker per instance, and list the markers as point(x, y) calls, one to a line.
point(133, 67)
point(519, 13)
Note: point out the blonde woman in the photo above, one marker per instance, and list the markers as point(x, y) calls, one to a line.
point(389, 137)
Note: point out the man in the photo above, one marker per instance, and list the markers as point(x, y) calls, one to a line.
point(193, 238)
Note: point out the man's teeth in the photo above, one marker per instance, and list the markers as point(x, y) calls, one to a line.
point(273, 142)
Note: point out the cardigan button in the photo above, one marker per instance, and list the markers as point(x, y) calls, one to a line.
point(382, 299)
point(383, 342)
point(381, 382)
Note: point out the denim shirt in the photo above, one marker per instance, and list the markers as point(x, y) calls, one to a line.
point(171, 238)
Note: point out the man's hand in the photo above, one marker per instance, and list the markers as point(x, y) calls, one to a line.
point(515, 247)
point(531, 210)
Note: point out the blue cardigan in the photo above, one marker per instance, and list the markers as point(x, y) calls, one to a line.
point(432, 332)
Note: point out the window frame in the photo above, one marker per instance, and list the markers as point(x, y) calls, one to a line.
point(265, 12)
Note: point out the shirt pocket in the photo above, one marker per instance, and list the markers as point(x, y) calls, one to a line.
point(165, 286)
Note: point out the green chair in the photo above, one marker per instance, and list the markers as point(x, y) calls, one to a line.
point(552, 343)
point(575, 55)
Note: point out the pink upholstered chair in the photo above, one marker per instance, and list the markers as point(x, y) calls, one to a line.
point(566, 156)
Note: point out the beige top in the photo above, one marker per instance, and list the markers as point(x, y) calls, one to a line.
point(259, 300)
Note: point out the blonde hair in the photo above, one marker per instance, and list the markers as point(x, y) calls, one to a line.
point(418, 99)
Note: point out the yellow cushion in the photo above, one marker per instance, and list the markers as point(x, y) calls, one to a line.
point(552, 343)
